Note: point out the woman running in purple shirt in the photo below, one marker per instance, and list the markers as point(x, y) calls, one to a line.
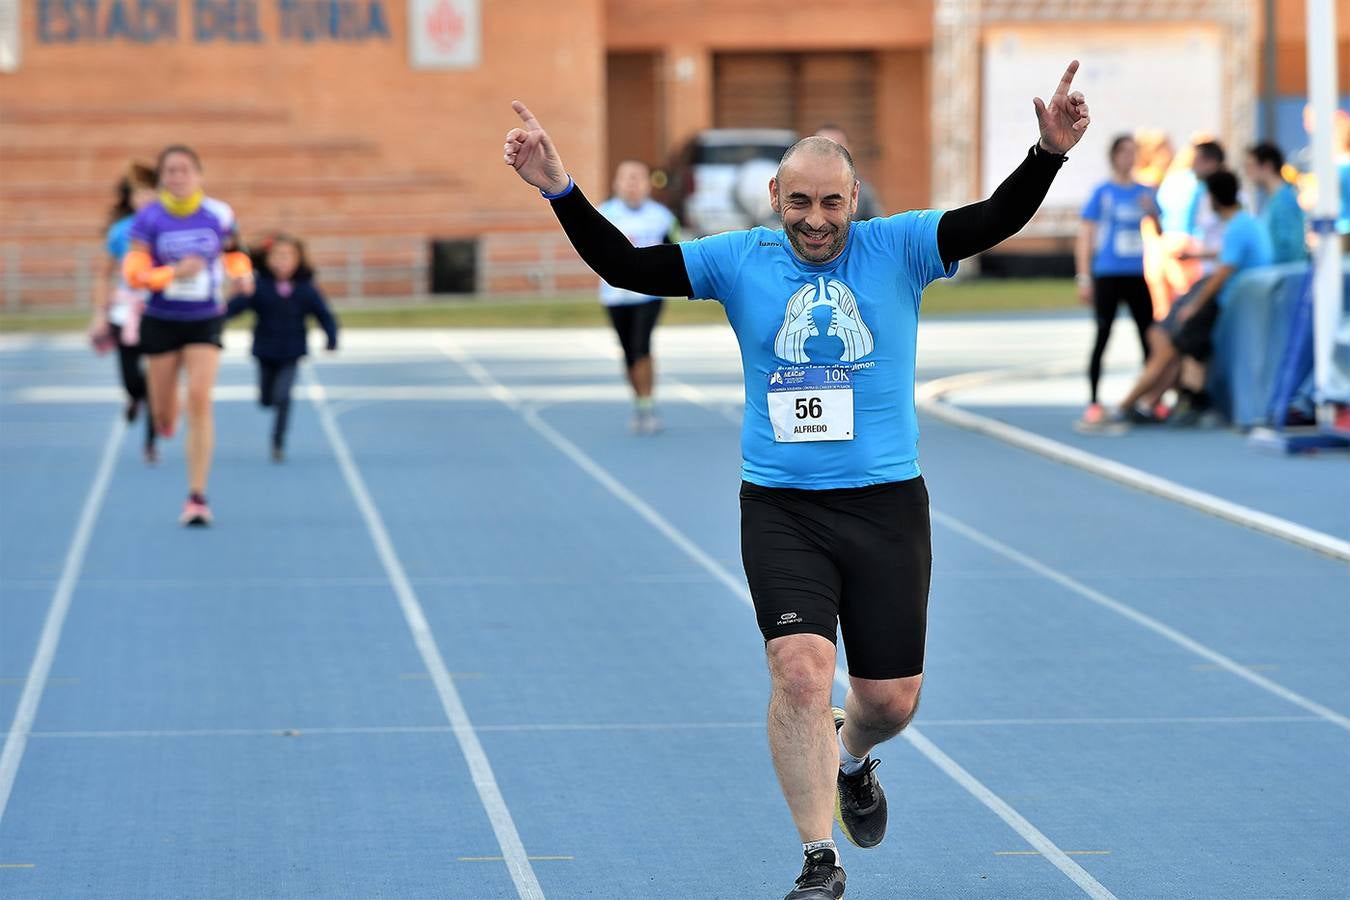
point(184, 252)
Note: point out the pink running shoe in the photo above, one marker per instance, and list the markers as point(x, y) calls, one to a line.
point(195, 514)
point(1094, 415)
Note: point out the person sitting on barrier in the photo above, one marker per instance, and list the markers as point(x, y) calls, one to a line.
point(1182, 343)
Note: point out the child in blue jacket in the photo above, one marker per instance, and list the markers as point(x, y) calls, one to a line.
point(282, 302)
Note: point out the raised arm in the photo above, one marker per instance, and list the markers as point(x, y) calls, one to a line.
point(656, 271)
point(978, 227)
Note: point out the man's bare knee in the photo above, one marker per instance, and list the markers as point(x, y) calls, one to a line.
point(886, 707)
point(802, 668)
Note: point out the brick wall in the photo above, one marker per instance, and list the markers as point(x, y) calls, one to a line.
point(330, 139)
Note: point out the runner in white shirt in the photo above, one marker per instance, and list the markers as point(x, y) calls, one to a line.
point(645, 223)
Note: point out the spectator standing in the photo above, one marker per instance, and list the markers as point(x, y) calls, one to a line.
point(1109, 258)
point(1275, 202)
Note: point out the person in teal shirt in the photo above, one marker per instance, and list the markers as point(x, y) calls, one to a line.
point(1276, 204)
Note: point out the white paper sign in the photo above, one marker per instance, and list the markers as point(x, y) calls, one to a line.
point(444, 34)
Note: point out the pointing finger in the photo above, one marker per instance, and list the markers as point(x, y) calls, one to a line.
point(526, 116)
point(1067, 80)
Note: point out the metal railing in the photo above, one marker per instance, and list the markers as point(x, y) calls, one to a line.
point(54, 277)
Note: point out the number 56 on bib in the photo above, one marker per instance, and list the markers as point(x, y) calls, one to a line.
point(811, 403)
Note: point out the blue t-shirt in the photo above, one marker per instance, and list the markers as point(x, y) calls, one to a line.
point(849, 323)
point(1176, 199)
point(118, 239)
point(1117, 211)
point(1283, 220)
point(1245, 246)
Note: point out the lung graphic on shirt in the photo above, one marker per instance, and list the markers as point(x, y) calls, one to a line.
point(846, 322)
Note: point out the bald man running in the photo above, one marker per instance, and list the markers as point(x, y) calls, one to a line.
point(834, 512)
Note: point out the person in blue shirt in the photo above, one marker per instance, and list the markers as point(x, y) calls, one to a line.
point(644, 222)
point(834, 511)
point(1190, 327)
point(283, 300)
point(1110, 259)
point(117, 305)
point(1276, 204)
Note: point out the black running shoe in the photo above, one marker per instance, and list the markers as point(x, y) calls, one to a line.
point(1184, 416)
point(860, 803)
point(821, 878)
point(1136, 416)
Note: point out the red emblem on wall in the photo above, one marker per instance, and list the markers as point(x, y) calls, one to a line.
point(445, 26)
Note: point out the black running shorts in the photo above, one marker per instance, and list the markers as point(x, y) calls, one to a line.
point(1195, 336)
point(856, 560)
point(634, 323)
point(171, 335)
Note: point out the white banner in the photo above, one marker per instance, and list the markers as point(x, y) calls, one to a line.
point(1168, 77)
point(444, 34)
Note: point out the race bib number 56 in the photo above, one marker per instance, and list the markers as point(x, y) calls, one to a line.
point(811, 403)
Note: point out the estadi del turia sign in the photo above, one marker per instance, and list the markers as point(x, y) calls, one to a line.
point(441, 33)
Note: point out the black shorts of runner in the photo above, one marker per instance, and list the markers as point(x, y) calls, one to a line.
point(634, 323)
point(169, 335)
point(856, 560)
point(1194, 337)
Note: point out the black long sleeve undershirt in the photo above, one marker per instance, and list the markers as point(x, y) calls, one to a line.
point(973, 229)
point(659, 271)
point(656, 271)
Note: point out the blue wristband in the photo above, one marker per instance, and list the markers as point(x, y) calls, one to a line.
point(563, 193)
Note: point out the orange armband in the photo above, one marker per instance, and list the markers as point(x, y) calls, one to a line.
point(237, 264)
point(140, 271)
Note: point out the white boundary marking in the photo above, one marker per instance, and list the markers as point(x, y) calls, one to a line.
point(929, 399)
point(1139, 618)
point(26, 710)
point(489, 794)
point(927, 748)
point(302, 731)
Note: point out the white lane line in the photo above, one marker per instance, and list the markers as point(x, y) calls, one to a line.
point(1134, 615)
point(320, 581)
point(929, 400)
point(362, 393)
point(489, 794)
point(17, 737)
point(302, 731)
point(736, 585)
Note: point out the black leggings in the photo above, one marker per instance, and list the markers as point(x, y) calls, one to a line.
point(133, 379)
point(1108, 292)
point(276, 377)
point(634, 323)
